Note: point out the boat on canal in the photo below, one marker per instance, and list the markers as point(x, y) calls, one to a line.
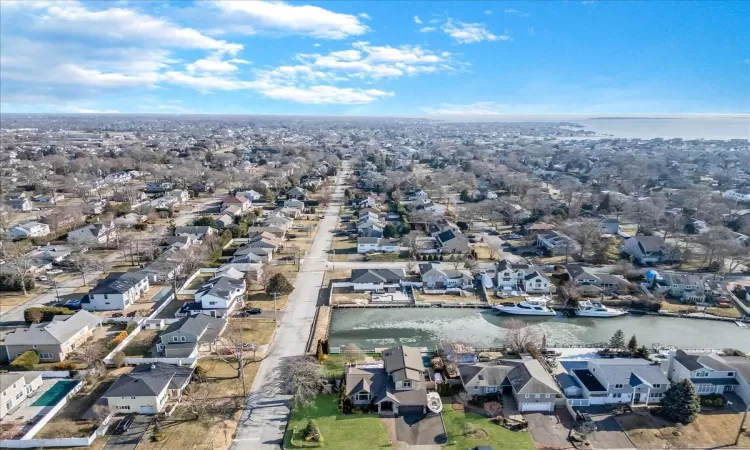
point(529, 307)
point(596, 309)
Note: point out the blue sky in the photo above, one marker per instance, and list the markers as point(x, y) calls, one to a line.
point(375, 58)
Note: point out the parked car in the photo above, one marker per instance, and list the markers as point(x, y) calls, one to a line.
point(54, 272)
point(125, 424)
point(41, 278)
point(73, 304)
point(253, 311)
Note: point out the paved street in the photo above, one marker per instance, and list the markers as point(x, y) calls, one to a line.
point(264, 420)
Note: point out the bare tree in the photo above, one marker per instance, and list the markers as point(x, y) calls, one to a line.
point(303, 378)
point(520, 336)
point(587, 233)
point(352, 353)
point(17, 258)
point(234, 351)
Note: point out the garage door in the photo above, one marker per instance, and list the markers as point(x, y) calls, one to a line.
point(410, 409)
point(597, 400)
point(147, 410)
point(526, 407)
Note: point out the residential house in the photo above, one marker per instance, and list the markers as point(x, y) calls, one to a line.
point(58, 219)
point(189, 335)
point(128, 220)
point(182, 195)
point(532, 387)
point(166, 267)
point(294, 203)
point(52, 198)
point(536, 282)
point(225, 221)
point(440, 225)
point(222, 293)
point(452, 242)
point(298, 193)
point(117, 177)
point(510, 276)
point(250, 195)
point(148, 388)
point(29, 230)
point(594, 284)
point(606, 381)
point(240, 201)
point(198, 231)
point(684, 286)
point(711, 373)
point(278, 220)
point(52, 340)
point(19, 203)
point(367, 202)
point(557, 244)
point(434, 276)
point(95, 208)
point(15, 387)
point(610, 225)
point(649, 250)
point(277, 231)
point(737, 196)
point(396, 388)
point(154, 187)
point(381, 245)
point(103, 232)
point(116, 292)
point(378, 280)
point(252, 254)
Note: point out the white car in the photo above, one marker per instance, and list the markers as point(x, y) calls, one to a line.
point(54, 272)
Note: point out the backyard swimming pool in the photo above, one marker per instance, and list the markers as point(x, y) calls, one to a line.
point(56, 393)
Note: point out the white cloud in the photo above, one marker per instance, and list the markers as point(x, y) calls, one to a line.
point(471, 109)
point(364, 16)
point(469, 33)
point(316, 45)
point(515, 12)
point(417, 20)
point(427, 29)
point(93, 111)
point(250, 17)
point(74, 74)
point(215, 63)
point(322, 94)
point(125, 25)
point(487, 12)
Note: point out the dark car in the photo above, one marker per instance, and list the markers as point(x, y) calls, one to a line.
point(253, 311)
point(124, 424)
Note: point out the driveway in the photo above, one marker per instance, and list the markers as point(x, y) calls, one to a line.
point(550, 429)
point(418, 429)
point(609, 433)
point(129, 439)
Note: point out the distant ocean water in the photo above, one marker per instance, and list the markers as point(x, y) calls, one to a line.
point(706, 127)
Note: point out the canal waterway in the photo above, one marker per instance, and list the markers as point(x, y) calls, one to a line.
point(421, 327)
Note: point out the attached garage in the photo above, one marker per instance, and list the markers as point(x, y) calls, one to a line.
point(529, 407)
point(146, 410)
point(410, 409)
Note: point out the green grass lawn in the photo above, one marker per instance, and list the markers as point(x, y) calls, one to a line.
point(340, 431)
point(496, 436)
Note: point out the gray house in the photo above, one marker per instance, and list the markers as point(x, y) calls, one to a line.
point(527, 381)
point(184, 338)
point(452, 241)
point(434, 277)
point(606, 381)
point(148, 389)
point(52, 340)
point(396, 388)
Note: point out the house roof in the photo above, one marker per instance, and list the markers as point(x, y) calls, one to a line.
point(58, 331)
point(377, 275)
point(367, 240)
point(119, 282)
point(198, 325)
point(221, 285)
point(633, 372)
point(7, 379)
point(148, 380)
point(526, 377)
point(504, 264)
point(531, 378)
point(650, 244)
point(403, 357)
point(234, 199)
point(695, 361)
point(589, 380)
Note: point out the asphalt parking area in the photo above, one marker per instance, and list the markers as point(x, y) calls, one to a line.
point(609, 433)
point(418, 429)
point(550, 429)
point(129, 439)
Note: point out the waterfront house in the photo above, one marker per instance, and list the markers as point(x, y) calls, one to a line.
point(532, 387)
point(378, 280)
point(595, 283)
point(711, 373)
point(187, 336)
point(649, 250)
point(510, 275)
point(54, 340)
point(148, 388)
point(396, 388)
point(607, 381)
point(15, 387)
point(436, 277)
point(684, 286)
point(536, 282)
point(117, 291)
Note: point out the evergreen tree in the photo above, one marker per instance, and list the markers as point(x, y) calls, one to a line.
point(390, 231)
point(681, 403)
point(605, 205)
point(279, 284)
point(618, 340)
point(642, 353)
point(633, 344)
point(269, 195)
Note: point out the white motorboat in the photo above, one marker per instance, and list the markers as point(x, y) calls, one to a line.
point(529, 307)
point(434, 403)
point(596, 309)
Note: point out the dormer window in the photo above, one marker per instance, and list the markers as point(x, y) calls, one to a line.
point(406, 384)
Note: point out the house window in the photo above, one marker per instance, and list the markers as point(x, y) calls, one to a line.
point(618, 386)
point(618, 395)
point(657, 386)
point(123, 407)
point(537, 395)
point(547, 395)
point(491, 389)
point(527, 395)
point(105, 296)
point(657, 395)
point(705, 388)
point(8, 404)
point(363, 396)
point(730, 374)
point(174, 338)
point(701, 374)
point(406, 384)
point(211, 303)
point(182, 339)
point(45, 356)
point(476, 388)
point(19, 395)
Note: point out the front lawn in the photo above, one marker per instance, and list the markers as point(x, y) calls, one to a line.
point(486, 432)
point(339, 431)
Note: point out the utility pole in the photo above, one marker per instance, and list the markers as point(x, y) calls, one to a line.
point(54, 283)
point(742, 423)
point(275, 295)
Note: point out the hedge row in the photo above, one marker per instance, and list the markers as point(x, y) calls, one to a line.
point(37, 314)
point(117, 339)
point(27, 361)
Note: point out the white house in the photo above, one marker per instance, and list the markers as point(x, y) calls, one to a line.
point(536, 283)
point(96, 233)
point(294, 203)
point(148, 388)
point(250, 195)
point(117, 291)
point(219, 295)
point(649, 250)
point(15, 387)
point(373, 244)
point(117, 177)
point(711, 373)
point(510, 276)
point(377, 280)
point(608, 381)
point(737, 196)
point(29, 230)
